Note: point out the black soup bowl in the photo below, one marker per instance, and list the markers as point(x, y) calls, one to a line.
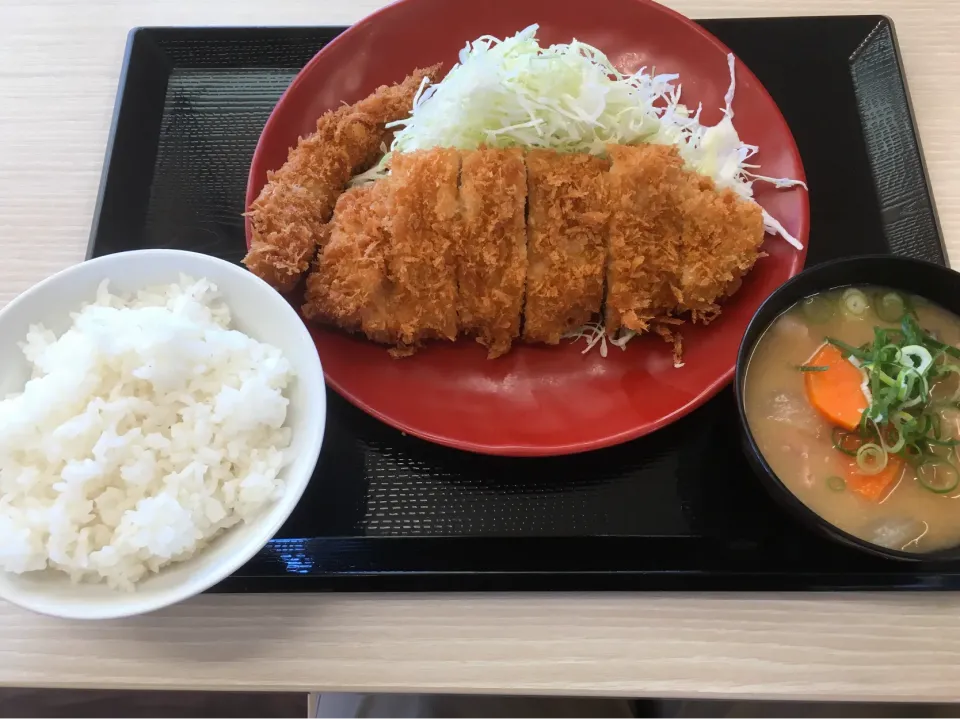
point(932, 282)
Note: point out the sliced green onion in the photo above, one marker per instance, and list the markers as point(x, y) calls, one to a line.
point(942, 347)
point(840, 443)
point(854, 301)
point(900, 367)
point(817, 309)
point(893, 358)
point(887, 379)
point(938, 475)
point(921, 354)
point(812, 368)
point(912, 453)
point(934, 423)
point(897, 445)
point(906, 381)
point(848, 350)
point(871, 458)
point(913, 334)
point(918, 382)
point(836, 484)
point(903, 418)
point(891, 307)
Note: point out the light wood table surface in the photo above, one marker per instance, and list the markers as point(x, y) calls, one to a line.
point(59, 64)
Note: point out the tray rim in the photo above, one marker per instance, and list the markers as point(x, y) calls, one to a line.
point(932, 577)
point(887, 21)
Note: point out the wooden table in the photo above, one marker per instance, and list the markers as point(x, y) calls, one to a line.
point(59, 62)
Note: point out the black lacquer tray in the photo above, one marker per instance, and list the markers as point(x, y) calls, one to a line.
point(678, 509)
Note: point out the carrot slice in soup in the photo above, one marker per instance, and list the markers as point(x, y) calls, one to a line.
point(836, 393)
point(873, 486)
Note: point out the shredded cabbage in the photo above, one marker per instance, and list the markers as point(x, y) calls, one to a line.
point(567, 98)
point(570, 98)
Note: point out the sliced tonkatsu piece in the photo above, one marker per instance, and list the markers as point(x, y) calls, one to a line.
point(566, 242)
point(647, 188)
point(348, 286)
point(492, 248)
point(423, 222)
point(722, 234)
point(287, 217)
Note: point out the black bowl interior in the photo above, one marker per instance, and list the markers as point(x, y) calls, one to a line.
point(933, 282)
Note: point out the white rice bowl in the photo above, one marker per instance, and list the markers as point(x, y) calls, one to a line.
point(148, 428)
point(151, 448)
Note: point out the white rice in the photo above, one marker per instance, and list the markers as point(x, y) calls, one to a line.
point(148, 428)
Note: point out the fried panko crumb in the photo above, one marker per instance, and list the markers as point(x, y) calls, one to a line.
point(441, 246)
point(492, 251)
point(424, 222)
point(644, 239)
point(388, 269)
point(677, 244)
point(348, 287)
point(722, 234)
point(566, 243)
point(298, 199)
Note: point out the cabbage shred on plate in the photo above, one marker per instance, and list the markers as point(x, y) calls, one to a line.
point(570, 98)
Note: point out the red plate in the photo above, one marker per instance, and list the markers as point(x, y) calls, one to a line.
point(541, 400)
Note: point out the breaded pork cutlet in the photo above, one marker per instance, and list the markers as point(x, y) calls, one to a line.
point(423, 222)
point(298, 199)
point(438, 247)
point(722, 234)
point(647, 187)
point(492, 248)
point(566, 242)
point(348, 287)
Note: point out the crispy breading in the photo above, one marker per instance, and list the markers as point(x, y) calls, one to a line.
point(646, 184)
point(423, 219)
point(722, 234)
point(492, 251)
point(441, 246)
point(388, 268)
point(566, 242)
point(348, 286)
point(298, 199)
point(677, 244)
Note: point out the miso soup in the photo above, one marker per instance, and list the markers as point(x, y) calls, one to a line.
point(853, 397)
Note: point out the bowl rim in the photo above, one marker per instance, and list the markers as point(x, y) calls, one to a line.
point(769, 478)
point(261, 529)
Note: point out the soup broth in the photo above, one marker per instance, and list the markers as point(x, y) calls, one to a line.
point(813, 422)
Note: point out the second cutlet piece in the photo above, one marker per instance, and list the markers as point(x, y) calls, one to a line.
point(492, 251)
point(647, 187)
point(287, 217)
point(348, 286)
point(423, 224)
point(566, 242)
